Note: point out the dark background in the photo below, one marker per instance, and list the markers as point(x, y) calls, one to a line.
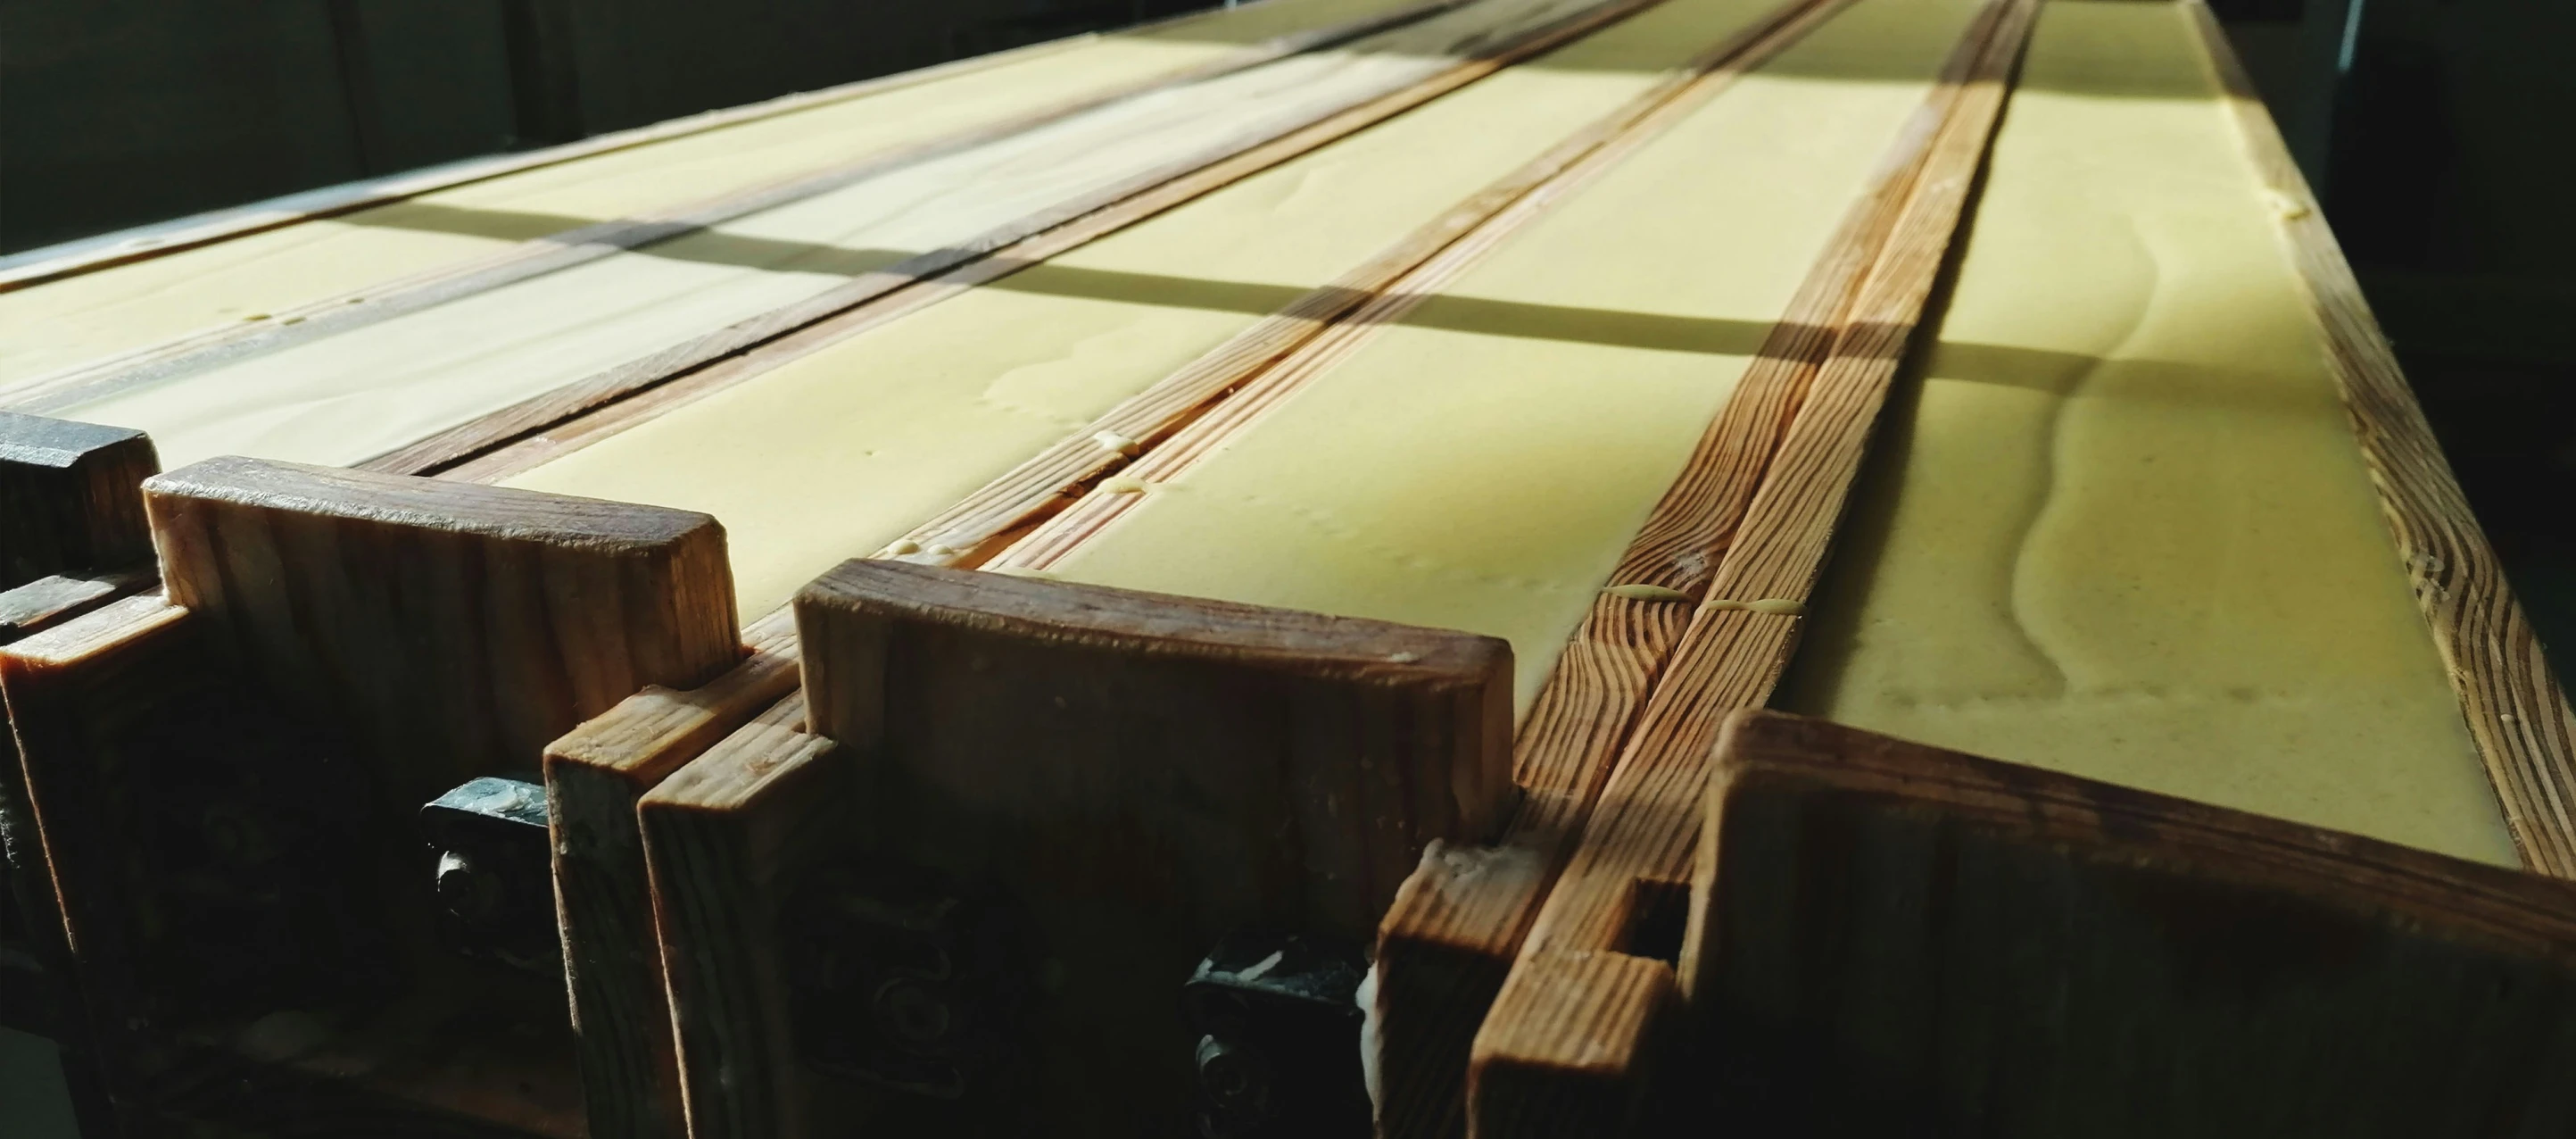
point(2436, 130)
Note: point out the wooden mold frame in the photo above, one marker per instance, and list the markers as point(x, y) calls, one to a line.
point(1887, 936)
point(1126, 779)
point(597, 774)
point(226, 778)
point(1587, 1002)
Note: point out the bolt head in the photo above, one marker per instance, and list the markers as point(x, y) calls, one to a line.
point(472, 894)
point(1235, 1077)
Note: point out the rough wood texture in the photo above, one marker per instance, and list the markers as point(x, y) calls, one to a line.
point(973, 529)
point(67, 497)
point(2515, 708)
point(560, 251)
point(554, 423)
point(1883, 933)
point(446, 629)
point(595, 775)
point(1446, 946)
point(1118, 768)
point(1732, 653)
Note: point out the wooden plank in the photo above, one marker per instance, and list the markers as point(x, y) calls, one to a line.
point(977, 527)
point(557, 252)
point(1740, 635)
point(1881, 931)
point(595, 775)
point(225, 778)
point(2515, 708)
point(554, 423)
point(446, 627)
point(67, 497)
point(1116, 767)
point(1448, 943)
point(148, 242)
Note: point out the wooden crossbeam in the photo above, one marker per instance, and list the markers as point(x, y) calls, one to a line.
point(1131, 776)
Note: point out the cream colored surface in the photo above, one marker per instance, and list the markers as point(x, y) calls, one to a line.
point(2125, 531)
point(1455, 474)
point(834, 455)
point(349, 397)
point(82, 320)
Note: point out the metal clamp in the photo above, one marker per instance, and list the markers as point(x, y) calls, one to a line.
point(1279, 1047)
point(494, 874)
point(906, 983)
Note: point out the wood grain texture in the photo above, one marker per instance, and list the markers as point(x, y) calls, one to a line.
point(2515, 708)
point(162, 241)
point(967, 533)
point(1732, 653)
point(448, 630)
point(68, 497)
point(1134, 775)
point(595, 776)
point(1887, 934)
point(726, 838)
point(557, 252)
point(1446, 946)
point(543, 427)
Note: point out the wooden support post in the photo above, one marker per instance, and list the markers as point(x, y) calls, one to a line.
point(1886, 933)
point(68, 497)
point(1071, 794)
point(226, 778)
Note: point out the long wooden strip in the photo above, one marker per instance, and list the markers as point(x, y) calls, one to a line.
point(2515, 709)
point(732, 355)
point(1446, 946)
point(1279, 378)
point(36, 267)
point(340, 314)
point(1644, 828)
point(976, 527)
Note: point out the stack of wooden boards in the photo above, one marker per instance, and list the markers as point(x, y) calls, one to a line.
point(1193, 580)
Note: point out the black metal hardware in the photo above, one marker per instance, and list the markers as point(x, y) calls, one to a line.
point(909, 984)
point(1278, 1051)
point(494, 872)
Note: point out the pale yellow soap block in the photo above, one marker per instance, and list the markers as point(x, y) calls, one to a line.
point(840, 452)
point(2124, 529)
point(1483, 464)
point(98, 316)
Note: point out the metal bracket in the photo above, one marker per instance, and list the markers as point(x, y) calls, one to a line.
point(1278, 1051)
point(494, 873)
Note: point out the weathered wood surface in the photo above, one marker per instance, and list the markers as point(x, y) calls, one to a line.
point(68, 497)
point(543, 427)
point(1884, 934)
point(225, 777)
point(2514, 706)
point(1740, 636)
point(1119, 768)
point(595, 775)
point(561, 251)
point(449, 629)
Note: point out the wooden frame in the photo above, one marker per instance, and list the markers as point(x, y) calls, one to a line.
point(1133, 775)
point(223, 775)
point(1887, 934)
